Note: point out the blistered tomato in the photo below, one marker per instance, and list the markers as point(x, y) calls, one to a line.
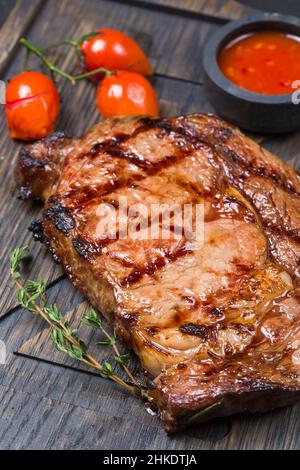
point(32, 106)
point(114, 50)
point(126, 94)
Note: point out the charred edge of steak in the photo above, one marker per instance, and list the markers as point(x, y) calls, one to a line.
point(55, 136)
point(56, 258)
point(29, 161)
point(24, 193)
point(36, 228)
point(61, 217)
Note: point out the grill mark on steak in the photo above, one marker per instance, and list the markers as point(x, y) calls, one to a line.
point(87, 249)
point(150, 268)
point(111, 147)
point(293, 234)
point(88, 194)
point(157, 264)
point(249, 169)
point(193, 141)
point(194, 138)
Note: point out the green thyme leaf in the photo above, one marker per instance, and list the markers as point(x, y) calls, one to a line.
point(35, 290)
point(91, 318)
point(34, 287)
point(22, 297)
point(53, 313)
point(107, 369)
point(104, 342)
point(74, 352)
point(15, 259)
point(122, 359)
point(113, 337)
point(109, 341)
point(58, 339)
point(82, 345)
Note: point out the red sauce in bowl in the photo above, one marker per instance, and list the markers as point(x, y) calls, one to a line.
point(264, 62)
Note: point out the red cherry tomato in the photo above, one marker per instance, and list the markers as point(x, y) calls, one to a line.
point(114, 51)
point(32, 106)
point(126, 94)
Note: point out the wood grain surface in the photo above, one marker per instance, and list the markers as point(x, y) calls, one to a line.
point(46, 399)
point(218, 10)
point(16, 25)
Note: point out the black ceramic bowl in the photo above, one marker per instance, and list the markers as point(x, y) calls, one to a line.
point(252, 111)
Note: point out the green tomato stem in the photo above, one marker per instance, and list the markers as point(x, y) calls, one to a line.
point(94, 72)
point(38, 52)
point(30, 48)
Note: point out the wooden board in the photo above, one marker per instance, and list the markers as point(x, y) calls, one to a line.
point(219, 11)
point(17, 24)
point(70, 407)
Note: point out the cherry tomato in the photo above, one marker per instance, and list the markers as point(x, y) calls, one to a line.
point(114, 51)
point(32, 106)
point(126, 94)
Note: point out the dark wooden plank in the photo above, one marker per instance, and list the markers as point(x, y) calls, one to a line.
point(286, 146)
point(216, 9)
point(59, 425)
point(288, 7)
point(5, 8)
point(15, 26)
point(276, 430)
point(17, 215)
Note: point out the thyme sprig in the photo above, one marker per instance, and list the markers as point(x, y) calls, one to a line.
point(91, 319)
point(32, 297)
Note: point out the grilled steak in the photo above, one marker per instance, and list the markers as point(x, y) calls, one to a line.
point(217, 325)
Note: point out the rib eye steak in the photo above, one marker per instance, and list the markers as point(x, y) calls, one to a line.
point(216, 326)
